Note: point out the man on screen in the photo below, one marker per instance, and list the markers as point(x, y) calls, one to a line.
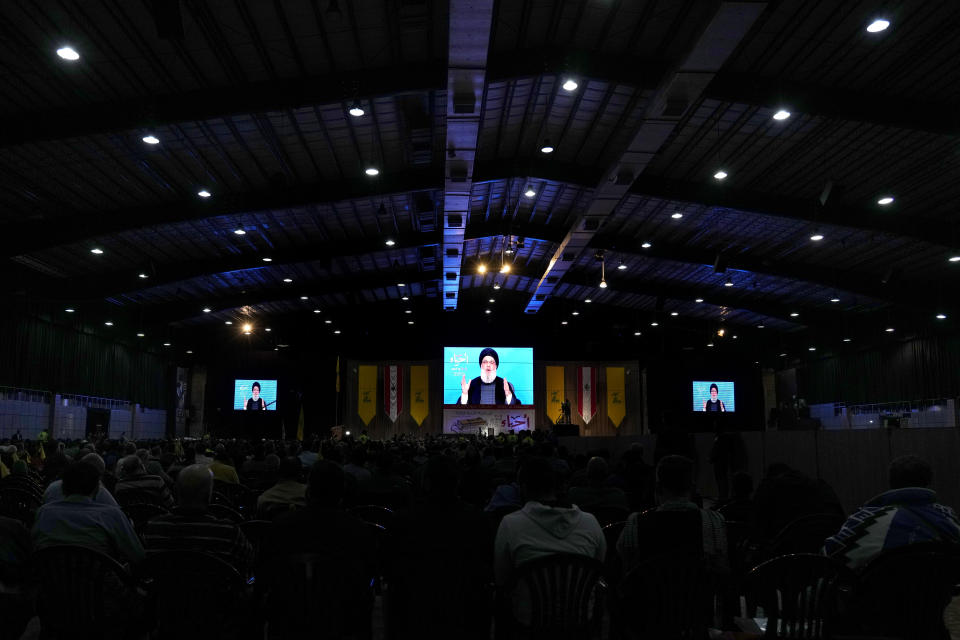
point(488, 387)
point(256, 403)
point(714, 403)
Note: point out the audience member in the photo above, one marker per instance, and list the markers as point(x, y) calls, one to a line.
point(906, 514)
point(357, 468)
point(786, 494)
point(287, 493)
point(222, 467)
point(136, 486)
point(597, 493)
point(54, 492)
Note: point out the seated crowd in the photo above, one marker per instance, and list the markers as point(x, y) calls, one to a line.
point(351, 519)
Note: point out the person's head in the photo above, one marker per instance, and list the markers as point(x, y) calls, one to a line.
point(910, 471)
point(742, 485)
point(255, 389)
point(538, 479)
point(129, 466)
point(80, 478)
point(714, 391)
point(325, 488)
point(96, 462)
point(674, 479)
point(441, 477)
point(155, 451)
point(290, 468)
point(143, 454)
point(130, 449)
point(489, 361)
point(597, 471)
point(271, 462)
point(195, 486)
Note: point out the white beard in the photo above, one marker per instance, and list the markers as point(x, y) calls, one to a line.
point(488, 376)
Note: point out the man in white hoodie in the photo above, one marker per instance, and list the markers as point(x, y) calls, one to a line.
point(544, 526)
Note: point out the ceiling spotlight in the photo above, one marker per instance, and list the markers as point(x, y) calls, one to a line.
point(228, 322)
point(709, 344)
point(408, 310)
point(575, 313)
point(728, 283)
point(885, 200)
point(141, 335)
point(405, 298)
point(674, 314)
point(481, 268)
point(794, 314)
point(646, 245)
point(721, 332)
point(720, 175)
point(782, 114)
point(676, 215)
point(69, 53)
point(874, 27)
point(69, 310)
point(328, 322)
point(588, 301)
point(203, 193)
point(817, 236)
point(108, 323)
point(811, 348)
point(505, 268)
point(783, 355)
point(166, 344)
point(336, 331)
point(846, 339)
point(316, 310)
point(621, 266)
point(698, 300)
point(247, 327)
point(547, 147)
point(486, 311)
point(492, 300)
point(206, 309)
point(603, 284)
point(530, 192)
point(654, 324)
point(889, 329)
point(496, 286)
point(637, 333)
point(834, 299)
point(761, 326)
point(189, 351)
point(356, 110)
point(151, 139)
point(372, 171)
point(268, 259)
point(401, 285)
point(941, 316)
point(143, 276)
point(389, 242)
point(240, 232)
point(570, 85)
point(96, 251)
point(563, 322)
point(288, 280)
point(954, 259)
point(304, 298)
point(268, 329)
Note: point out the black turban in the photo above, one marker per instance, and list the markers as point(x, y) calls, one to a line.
point(489, 352)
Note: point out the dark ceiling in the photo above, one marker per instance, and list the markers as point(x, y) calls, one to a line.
point(249, 100)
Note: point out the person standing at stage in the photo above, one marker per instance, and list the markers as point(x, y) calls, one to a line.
point(488, 387)
point(714, 403)
point(256, 403)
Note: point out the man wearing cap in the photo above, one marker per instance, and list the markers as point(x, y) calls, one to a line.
point(488, 387)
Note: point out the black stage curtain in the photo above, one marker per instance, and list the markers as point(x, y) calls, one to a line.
point(37, 354)
point(912, 370)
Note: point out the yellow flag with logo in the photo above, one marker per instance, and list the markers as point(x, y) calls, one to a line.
point(555, 393)
point(616, 395)
point(300, 425)
point(419, 386)
point(367, 392)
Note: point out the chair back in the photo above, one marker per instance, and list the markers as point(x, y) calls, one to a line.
point(805, 534)
point(613, 565)
point(225, 513)
point(903, 592)
point(19, 504)
point(141, 513)
point(801, 594)
point(197, 595)
point(374, 514)
point(25, 482)
point(82, 591)
point(256, 531)
point(673, 596)
point(607, 514)
point(234, 494)
point(561, 592)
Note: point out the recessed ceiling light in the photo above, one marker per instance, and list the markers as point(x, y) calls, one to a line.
point(817, 237)
point(304, 298)
point(496, 286)
point(575, 313)
point(603, 284)
point(108, 323)
point(267, 259)
point(189, 351)
point(794, 314)
point(646, 245)
point(547, 147)
point(336, 331)
point(68, 53)
point(698, 300)
point(728, 283)
point(588, 301)
point(240, 232)
point(69, 310)
point(268, 329)
point(761, 326)
point(563, 322)
point(622, 267)
point(782, 114)
point(401, 284)
point(151, 139)
point(674, 314)
point(316, 310)
point(954, 258)
point(96, 251)
point(408, 311)
point(811, 348)
point(654, 324)
point(505, 268)
point(288, 280)
point(141, 335)
point(720, 175)
point(228, 322)
point(486, 311)
point(570, 85)
point(389, 242)
point(166, 344)
point(372, 171)
point(676, 215)
point(409, 321)
point(834, 299)
point(846, 339)
point(876, 26)
point(481, 269)
point(206, 309)
point(783, 355)
point(143, 276)
point(328, 321)
point(889, 329)
point(356, 110)
point(735, 336)
point(203, 193)
point(637, 333)
point(941, 316)
point(885, 200)
point(530, 192)
point(709, 344)
point(492, 300)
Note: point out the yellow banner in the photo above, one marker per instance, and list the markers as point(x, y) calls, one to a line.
point(419, 398)
point(616, 395)
point(555, 393)
point(367, 392)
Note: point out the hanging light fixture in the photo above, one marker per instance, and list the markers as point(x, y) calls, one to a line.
point(603, 273)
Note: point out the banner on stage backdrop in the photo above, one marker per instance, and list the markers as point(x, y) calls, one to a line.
point(393, 391)
point(616, 395)
point(419, 405)
point(555, 393)
point(367, 392)
point(587, 393)
point(488, 421)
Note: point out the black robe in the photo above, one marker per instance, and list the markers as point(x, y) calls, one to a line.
point(473, 395)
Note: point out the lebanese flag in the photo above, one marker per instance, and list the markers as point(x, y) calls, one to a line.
point(587, 392)
point(393, 390)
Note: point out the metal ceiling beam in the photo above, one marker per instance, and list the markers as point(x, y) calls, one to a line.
point(78, 227)
point(776, 93)
point(471, 22)
point(677, 92)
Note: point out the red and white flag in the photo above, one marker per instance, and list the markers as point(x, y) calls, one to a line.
point(393, 390)
point(587, 392)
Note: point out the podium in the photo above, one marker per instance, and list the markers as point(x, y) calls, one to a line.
point(566, 429)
